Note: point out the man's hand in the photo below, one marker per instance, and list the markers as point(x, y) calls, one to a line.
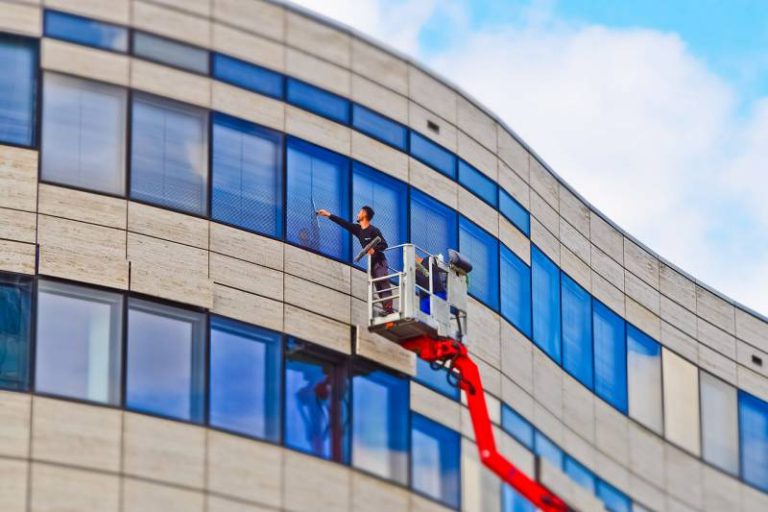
point(370, 252)
point(323, 213)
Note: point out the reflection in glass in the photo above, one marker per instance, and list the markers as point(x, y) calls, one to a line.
point(170, 52)
point(753, 425)
point(545, 283)
point(644, 379)
point(515, 291)
point(435, 455)
point(433, 224)
point(86, 31)
point(719, 423)
point(15, 328)
point(610, 356)
point(482, 249)
point(577, 331)
point(18, 89)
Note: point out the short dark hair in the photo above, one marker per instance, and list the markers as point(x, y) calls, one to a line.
point(369, 213)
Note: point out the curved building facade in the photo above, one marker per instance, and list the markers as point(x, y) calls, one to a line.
point(178, 331)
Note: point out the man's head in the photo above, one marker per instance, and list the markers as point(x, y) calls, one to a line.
point(366, 214)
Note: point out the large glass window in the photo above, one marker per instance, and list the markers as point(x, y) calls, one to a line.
point(517, 426)
point(84, 125)
point(546, 449)
point(610, 356)
point(245, 376)
point(478, 183)
point(79, 349)
point(577, 331)
point(380, 413)
point(613, 499)
point(644, 379)
point(482, 249)
point(435, 379)
point(247, 178)
point(681, 401)
point(86, 31)
point(317, 178)
point(433, 225)
point(546, 304)
point(753, 430)
point(433, 154)
point(719, 423)
point(18, 89)
point(169, 154)
point(15, 329)
point(579, 474)
point(166, 360)
point(379, 127)
point(316, 400)
point(514, 212)
point(513, 501)
point(248, 76)
point(389, 199)
point(173, 53)
point(435, 456)
point(317, 100)
point(515, 291)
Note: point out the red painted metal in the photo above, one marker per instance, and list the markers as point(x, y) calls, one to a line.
point(456, 357)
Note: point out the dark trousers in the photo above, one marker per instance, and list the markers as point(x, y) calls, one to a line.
point(381, 269)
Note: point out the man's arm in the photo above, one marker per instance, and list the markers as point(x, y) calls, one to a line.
point(349, 226)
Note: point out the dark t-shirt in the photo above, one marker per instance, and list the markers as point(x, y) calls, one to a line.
point(364, 235)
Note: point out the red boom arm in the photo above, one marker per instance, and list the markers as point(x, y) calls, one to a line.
point(469, 380)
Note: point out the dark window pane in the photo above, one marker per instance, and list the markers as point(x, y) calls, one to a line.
point(613, 499)
point(317, 178)
point(478, 183)
point(482, 250)
point(380, 412)
point(166, 360)
point(15, 328)
point(247, 176)
point(580, 474)
point(379, 127)
point(316, 398)
point(545, 278)
point(753, 427)
point(433, 154)
point(169, 154)
point(317, 100)
point(18, 87)
point(515, 291)
point(248, 76)
point(546, 449)
point(610, 356)
point(435, 379)
point(514, 212)
point(512, 501)
point(517, 426)
point(433, 225)
point(245, 379)
point(644, 379)
point(173, 53)
point(86, 31)
point(84, 125)
point(79, 342)
point(577, 331)
point(435, 455)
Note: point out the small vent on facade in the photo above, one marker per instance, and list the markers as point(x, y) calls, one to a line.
point(433, 126)
point(757, 360)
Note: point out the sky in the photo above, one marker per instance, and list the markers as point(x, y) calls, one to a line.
point(656, 112)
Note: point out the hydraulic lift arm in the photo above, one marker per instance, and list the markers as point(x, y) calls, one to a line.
point(455, 356)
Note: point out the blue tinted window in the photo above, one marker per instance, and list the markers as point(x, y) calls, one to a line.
point(644, 379)
point(545, 278)
point(753, 431)
point(579, 474)
point(173, 53)
point(245, 379)
point(513, 501)
point(317, 179)
point(482, 250)
point(514, 212)
point(18, 87)
point(247, 176)
point(433, 154)
point(380, 435)
point(317, 100)
point(15, 328)
point(515, 291)
point(577, 331)
point(379, 127)
point(517, 426)
point(435, 456)
point(436, 380)
point(165, 365)
point(613, 499)
point(315, 393)
point(248, 76)
point(610, 356)
point(433, 225)
point(86, 31)
point(169, 154)
point(389, 199)
point(546, 449)
point(478, 183)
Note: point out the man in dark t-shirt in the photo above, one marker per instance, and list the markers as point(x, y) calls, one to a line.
point(365, 232)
